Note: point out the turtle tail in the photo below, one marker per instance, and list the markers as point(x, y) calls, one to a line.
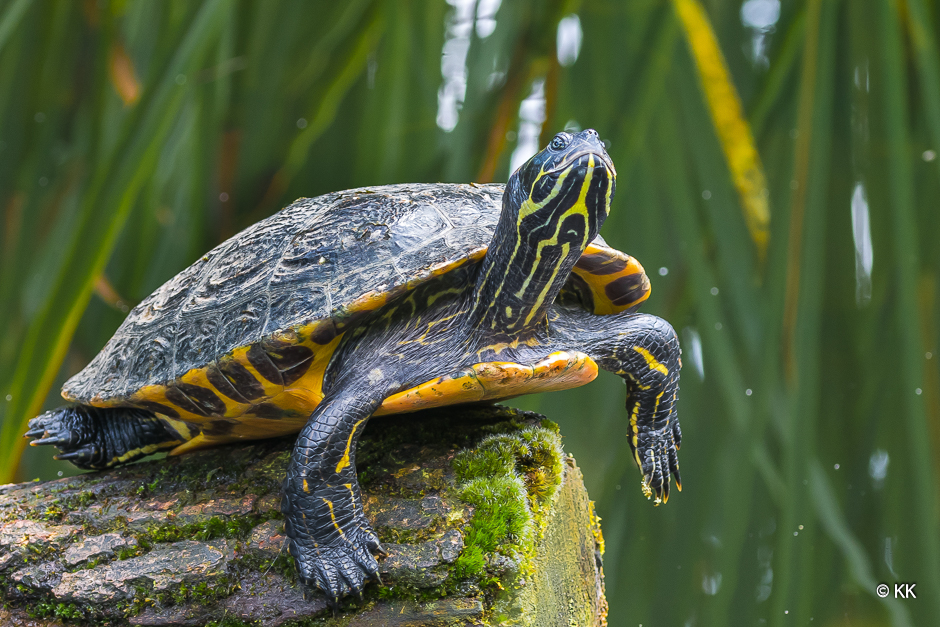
point(101, 437)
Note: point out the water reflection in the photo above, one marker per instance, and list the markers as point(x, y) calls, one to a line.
point(454, 62)
point(864, 255)
point(568, 40)
point(711, 584)
point(531, 117)
point(693, 344)
point(878, 468)
point(889, 556)
point(765, 556)
point(486, 17)
point(760, 16)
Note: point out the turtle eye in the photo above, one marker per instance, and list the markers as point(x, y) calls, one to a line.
point(559, 142)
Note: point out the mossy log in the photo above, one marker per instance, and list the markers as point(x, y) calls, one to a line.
point(485, 521)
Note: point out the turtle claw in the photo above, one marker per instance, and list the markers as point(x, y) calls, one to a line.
point(657, 451)
point(51, 429)
point(72, 432)
point(54, 441)
point(338, 570)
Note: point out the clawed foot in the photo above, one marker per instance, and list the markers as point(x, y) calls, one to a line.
point(72, 432)
point(340, 568)
point(657, 455)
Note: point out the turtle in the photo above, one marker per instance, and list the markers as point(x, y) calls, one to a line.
point(374, 301)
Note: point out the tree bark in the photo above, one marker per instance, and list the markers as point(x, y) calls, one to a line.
point(485, 521)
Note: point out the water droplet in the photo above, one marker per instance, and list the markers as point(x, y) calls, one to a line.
point(718, 326)
point(929, 155)
point(664, 271)
point(796, 533)
point(43, 181)
point(61, 473)
point(836, 466)
point(618, 487)
point(917, 391)
point(714, 291)
point(801, 527)
point(748, 392)
point(929, 355)
point(794, 184)
point(302, 123)
point(9, 397)
point(40, 117)
point(223, 197)
point(706, 194)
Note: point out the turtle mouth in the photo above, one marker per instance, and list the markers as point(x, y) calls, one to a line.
point(582, 159)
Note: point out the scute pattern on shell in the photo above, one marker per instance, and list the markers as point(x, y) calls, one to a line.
point(306, 263)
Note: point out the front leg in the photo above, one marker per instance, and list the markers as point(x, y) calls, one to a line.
point(644, 351)
point(330, 538)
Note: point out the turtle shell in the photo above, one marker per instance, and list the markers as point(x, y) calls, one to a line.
point(267, 298)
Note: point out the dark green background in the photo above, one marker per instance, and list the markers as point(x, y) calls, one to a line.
point(122, 123)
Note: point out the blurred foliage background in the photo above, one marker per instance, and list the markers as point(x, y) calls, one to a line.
point(778, 177)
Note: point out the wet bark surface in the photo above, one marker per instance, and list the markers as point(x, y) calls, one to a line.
point(199, 540)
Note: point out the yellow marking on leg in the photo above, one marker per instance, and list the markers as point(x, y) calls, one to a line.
point(306, 487)
point(651, 361)
point(143, 450)
point(636, 431)
point(333, 518)
point(345, 460)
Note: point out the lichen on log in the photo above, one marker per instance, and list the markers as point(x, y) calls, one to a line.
point(484, 519)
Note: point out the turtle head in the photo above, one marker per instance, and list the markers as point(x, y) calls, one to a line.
point(569, 184)
point(553, 206)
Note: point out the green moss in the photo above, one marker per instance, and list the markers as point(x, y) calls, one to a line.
point(234, 528)
point(201, 593)
point(68, 612)
point(509, 479)
point(128, 552)
point(53, 512)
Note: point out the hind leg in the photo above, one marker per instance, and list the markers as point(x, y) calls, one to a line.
point(101, 437)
